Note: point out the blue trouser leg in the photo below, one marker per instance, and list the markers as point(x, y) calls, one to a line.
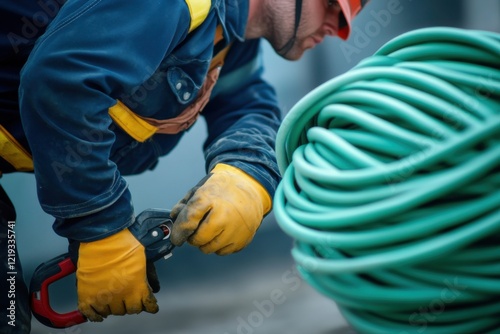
point(15, 313)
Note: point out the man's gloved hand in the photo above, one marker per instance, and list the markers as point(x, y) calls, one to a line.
point(111, 277)
point(221, 213)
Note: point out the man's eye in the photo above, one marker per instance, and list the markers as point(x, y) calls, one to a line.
point(331, 3)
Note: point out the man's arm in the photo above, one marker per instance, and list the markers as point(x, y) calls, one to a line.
point(223, 212)
point(243, 117)
point(93, 52)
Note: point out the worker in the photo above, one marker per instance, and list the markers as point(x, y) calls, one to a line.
point(91, 91)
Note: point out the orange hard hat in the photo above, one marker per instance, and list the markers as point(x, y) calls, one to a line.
point(350, 8)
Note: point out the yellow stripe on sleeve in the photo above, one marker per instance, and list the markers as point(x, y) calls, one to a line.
point(135, 126)
point(199, 10)
point(14, 153)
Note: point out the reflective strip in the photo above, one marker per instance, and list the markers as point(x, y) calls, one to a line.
point(198, 9)
point(132, 124)
point(14, 153)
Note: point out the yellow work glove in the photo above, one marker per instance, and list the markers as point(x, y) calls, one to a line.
point(111, 277)
point(221, 213)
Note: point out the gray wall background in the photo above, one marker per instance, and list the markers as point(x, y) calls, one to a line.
point(211, 294)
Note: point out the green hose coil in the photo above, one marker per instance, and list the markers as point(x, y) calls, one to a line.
point(391, 185)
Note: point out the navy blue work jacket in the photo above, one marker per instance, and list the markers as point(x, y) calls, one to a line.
point(95, 52)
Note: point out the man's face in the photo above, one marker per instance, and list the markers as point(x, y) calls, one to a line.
point(320, 18)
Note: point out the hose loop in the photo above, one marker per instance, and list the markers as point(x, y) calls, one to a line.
point(391, 185)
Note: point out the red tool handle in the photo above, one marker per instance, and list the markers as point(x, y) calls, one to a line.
point(44, 275)
point(152, 228)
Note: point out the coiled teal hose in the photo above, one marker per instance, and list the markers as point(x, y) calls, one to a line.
point(391, 185)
